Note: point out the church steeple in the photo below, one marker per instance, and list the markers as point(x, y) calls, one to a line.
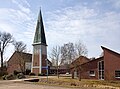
point(39, 48)
point(39, 37)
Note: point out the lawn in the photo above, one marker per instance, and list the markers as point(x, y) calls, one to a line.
point(68, 82)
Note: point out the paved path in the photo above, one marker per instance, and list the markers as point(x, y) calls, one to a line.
point(13, 85)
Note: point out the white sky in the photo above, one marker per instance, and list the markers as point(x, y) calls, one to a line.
point(94, 22)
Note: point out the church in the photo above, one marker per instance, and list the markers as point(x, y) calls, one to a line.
point(106, 67)
point(37, 62)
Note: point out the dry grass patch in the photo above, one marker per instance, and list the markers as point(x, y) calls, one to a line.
point(68, 82)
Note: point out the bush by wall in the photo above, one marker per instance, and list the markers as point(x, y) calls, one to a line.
point(41, 74)
point(10, 77)
point(16, 72)
point(20, 76)
point(32, 74)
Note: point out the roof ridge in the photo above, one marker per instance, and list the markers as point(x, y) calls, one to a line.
point(110, 50)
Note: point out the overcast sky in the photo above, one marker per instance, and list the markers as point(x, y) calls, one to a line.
point(94, 22)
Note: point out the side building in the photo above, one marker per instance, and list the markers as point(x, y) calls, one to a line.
point(106, 67)
point(20, 62)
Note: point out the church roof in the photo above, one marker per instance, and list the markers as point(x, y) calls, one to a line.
point(104, 48)
point(39, 37)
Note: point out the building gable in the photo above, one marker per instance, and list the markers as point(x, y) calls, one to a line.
point(111, 63)
point(79, 61)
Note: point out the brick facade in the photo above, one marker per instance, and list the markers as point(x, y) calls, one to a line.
point(14, 64)
point(104, 68)
point(90, 66)
point(74, 67)
point(16, 60)
point(111, 63)
point(36, 61)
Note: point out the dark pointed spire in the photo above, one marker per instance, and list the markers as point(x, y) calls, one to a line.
point(39, 37)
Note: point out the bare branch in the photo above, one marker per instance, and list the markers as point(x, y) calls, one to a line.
point(55, 55)
point(19, 46)
point(81, 49)
point(67, 53)
point(5, 39)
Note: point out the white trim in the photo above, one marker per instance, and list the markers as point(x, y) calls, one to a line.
point(35, 66)
point(32, 60)
point(117, 77)
point(91, 74)
point(40, 60)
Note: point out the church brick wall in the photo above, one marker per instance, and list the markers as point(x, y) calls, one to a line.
point(36, 61)
point(112, 63)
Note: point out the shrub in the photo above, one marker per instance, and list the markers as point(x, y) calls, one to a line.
point(32, 74)
point(41, 74)
point(3, 73)
point(20, 76)
point(4, 77)
point(10, 77)
point(16, 72)
point(27, 71)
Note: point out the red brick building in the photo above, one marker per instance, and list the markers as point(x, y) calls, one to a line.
point(76, 64)
point(22, 62)
point(106, 67)
point(19, 62)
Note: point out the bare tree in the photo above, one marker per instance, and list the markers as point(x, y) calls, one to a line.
point(20, 47)
point(5, 39)
point(81, 49)
point(55, 56)
point(67, 53)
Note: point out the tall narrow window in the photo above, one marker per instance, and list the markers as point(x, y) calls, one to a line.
point(101, 69)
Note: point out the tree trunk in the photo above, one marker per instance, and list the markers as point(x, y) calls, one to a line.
point(1, 60)
point(79, 75)
point(58, 71)
point(72, 74)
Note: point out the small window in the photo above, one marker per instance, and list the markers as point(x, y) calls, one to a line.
point(92, 73)
point(117, 73)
